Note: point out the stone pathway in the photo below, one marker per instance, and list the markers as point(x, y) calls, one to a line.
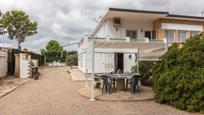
point(56, 94)
point(9, 84)
point(77, 75)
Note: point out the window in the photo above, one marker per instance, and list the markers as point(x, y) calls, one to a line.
point(193, 33)
point(169, 34)
point(182, 36)
point(132, 34)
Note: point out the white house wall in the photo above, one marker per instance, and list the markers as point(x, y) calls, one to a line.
point(104, 62)
point(107, 29)
point(140, 26)
point(182, 27)
point(25, 65)
point(82, 62)
point(129, 62)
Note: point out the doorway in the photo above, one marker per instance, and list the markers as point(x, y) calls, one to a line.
point(148, 34)
point(119, 62)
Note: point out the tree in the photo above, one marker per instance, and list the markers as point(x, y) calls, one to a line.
point(43, 52)
point(18, 25)
point(54, 51)
point(178, 79)
point(53, 48)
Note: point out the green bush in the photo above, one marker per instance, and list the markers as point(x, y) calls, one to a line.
point(178, 79)
point(145, 69)
point(72, 58)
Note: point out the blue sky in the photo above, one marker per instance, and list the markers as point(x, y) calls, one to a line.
point(68, 20)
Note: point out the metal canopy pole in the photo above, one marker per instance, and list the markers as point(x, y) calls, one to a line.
point(86, 69)
point(167, 45)
point(138, 60)
point(92, 73)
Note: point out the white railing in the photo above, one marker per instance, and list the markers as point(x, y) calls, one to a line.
point(87, 40)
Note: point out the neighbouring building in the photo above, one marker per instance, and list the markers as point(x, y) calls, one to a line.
point(123, 33)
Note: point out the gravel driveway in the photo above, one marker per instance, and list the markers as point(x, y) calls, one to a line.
point(56, 94)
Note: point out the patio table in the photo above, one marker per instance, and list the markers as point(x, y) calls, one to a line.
point(121, 80)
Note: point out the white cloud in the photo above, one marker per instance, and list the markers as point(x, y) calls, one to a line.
point(68, 20)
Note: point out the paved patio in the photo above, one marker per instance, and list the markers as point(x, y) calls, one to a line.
point(56, 94)
point(77, 75)
point(145, 94)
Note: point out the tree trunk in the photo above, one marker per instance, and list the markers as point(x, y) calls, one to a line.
point(19, 46)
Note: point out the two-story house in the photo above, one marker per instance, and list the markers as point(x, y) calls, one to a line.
point(121, 33)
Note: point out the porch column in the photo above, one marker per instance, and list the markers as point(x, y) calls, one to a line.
point(92, 72)
point(188, 34)
point(176, 38)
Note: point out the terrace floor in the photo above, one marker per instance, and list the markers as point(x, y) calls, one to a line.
point(56, 94)
point(145, 94)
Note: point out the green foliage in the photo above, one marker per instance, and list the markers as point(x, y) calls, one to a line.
point(53, 51)
point(178, 79)
point(145, 69)
point(72, 58)
point(18, 25)
point(53, 48)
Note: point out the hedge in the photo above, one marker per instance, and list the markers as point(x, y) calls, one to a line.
point(145, 69)
point(178, 79)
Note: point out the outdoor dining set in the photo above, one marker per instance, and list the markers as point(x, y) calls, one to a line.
point(55, 64)
point(120, 82)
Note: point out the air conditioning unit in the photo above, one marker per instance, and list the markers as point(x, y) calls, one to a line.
point(116, 22)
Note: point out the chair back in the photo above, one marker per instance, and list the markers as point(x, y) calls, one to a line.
point(105, 79)
point(134, 79)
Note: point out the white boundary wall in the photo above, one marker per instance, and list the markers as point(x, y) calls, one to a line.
point(25, 66)
point(3, 63)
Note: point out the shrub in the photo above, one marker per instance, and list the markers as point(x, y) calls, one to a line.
point(178, 79)
point(145, 69)
point(72, 58)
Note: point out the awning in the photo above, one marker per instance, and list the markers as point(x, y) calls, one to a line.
point(147, 51)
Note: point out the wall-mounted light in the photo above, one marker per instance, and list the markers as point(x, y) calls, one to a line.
point(116, 29)
point(130, 56)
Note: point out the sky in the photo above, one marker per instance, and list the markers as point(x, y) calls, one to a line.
point(68, 20)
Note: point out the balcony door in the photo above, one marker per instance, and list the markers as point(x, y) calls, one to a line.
point(148, 34)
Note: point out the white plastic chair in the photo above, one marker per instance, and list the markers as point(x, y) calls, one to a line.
point(55, 64)
point(50, 65)
point(59, 64)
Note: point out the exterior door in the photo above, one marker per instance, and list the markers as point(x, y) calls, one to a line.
point(119, 62)
point(148, 34)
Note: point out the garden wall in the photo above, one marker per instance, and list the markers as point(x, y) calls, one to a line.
point(3, 62)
